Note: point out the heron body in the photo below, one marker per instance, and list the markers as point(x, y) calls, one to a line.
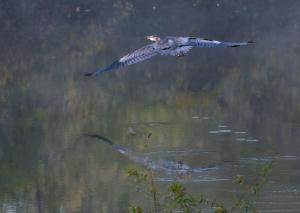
point(168, 46)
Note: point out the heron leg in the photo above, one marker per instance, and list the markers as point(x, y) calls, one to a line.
point(180, 54)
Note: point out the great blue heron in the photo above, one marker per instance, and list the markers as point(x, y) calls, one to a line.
point(168, 46)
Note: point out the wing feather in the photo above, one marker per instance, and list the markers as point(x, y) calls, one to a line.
point(177, 51)
point(206, 43)
point(136, 56)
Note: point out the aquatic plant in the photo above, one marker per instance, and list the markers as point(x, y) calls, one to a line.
point(178, 199)
point(252, 188)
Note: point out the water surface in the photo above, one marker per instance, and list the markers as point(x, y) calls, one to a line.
point(223, 112)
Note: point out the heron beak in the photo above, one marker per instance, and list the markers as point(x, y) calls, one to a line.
point(152, 38)
point(149, 37)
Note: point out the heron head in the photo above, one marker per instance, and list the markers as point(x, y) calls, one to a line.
point(153, 38)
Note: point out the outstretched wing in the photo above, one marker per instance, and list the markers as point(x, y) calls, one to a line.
point(137, 56)
point(117, 147)
point(206, 43)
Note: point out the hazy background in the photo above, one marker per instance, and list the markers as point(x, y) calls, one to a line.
point(46, 103)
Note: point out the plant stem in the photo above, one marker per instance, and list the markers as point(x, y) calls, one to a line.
point(154, 192)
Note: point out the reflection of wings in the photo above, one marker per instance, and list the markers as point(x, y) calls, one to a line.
point(206, 43)
point(137, 56)
point(160, 165)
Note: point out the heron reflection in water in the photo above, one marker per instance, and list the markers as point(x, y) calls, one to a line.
point(157, 165)
point(168, 46)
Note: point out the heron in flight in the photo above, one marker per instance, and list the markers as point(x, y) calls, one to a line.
point(168, 46)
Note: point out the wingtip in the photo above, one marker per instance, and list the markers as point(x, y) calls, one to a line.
point(89, 135)
point(98, 137)
point(250, 42)
point(89, 74)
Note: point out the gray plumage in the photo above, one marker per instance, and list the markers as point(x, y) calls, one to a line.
point(168, 46)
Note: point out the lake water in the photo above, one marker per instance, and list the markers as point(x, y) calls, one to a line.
point(223, 112)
